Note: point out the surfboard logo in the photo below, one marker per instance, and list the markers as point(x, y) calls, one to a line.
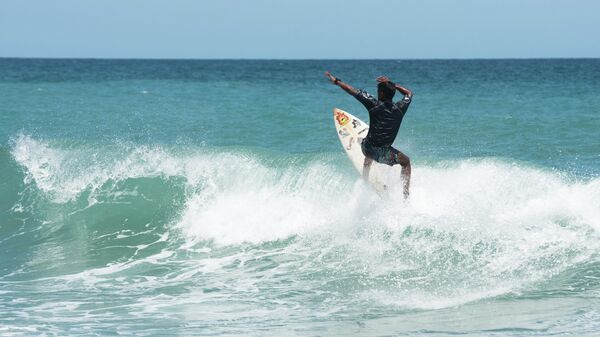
point(344, 132)
point(341, 118)
point(355, 123)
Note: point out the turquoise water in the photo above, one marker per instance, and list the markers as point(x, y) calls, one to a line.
point(213, 198)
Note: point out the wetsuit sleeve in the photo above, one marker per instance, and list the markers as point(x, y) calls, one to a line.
point(404, 103)
point(366, 99)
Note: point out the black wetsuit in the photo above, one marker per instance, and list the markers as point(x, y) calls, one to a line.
point(385, 118)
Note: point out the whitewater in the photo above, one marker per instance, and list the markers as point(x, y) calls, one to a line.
point(232, 237)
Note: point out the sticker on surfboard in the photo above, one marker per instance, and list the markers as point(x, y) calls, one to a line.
point(341, 117)
point(351, 137)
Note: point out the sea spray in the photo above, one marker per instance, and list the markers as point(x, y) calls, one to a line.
point(472, 229)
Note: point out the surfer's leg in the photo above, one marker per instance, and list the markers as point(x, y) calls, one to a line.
point(367, 167)
point(366, 150)
point(404, 161)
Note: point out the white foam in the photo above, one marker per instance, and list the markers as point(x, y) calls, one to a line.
point(472, 229)
point(64, 173)
point(260, 209)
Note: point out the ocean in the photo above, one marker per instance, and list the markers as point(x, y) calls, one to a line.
point(213, 198)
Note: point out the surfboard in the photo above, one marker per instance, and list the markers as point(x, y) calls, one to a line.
point(351, 131)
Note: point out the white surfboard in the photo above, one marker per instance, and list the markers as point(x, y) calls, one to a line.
point(351, 132)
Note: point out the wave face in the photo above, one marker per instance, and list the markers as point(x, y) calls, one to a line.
point(112, 237)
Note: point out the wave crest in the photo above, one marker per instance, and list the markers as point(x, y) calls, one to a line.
point(472, 228)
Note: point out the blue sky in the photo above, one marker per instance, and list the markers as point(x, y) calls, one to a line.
point(299, 29)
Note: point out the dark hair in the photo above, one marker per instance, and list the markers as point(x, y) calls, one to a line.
point(387, 88)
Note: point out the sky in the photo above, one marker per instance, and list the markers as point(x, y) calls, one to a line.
point(306, 29)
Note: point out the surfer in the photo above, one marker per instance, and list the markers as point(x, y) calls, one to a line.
point(385, 118)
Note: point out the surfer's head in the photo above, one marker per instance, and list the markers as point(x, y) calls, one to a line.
point(385, 90)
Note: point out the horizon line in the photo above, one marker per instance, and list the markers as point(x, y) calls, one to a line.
point(299, 59)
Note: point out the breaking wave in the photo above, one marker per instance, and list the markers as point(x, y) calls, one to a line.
point(292, 228)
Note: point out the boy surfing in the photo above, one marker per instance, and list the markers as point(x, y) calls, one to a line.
point(385, 118)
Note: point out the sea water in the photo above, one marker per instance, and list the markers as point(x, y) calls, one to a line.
point(199, 197)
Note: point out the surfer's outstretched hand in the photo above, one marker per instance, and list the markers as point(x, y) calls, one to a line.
point(331, 77)
point(347, 88)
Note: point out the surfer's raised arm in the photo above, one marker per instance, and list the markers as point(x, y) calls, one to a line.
point(347, 88)
point(403, 90)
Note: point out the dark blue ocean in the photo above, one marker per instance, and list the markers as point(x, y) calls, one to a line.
point(212, 197)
